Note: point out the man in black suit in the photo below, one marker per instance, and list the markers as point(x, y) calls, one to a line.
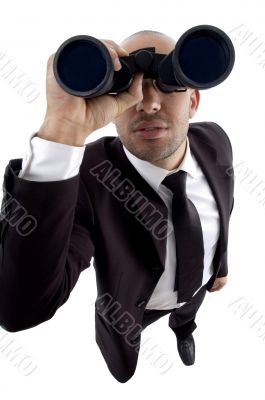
point(115, 208)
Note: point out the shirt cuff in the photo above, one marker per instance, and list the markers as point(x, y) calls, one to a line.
point(45, 160)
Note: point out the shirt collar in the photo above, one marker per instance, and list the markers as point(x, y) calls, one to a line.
point(154, 175)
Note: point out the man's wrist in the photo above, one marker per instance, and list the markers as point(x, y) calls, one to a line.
point(61, 133)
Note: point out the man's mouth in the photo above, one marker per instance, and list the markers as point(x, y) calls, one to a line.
point(151, 129)
point(149, 125)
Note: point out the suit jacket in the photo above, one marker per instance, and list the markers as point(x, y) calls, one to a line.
point(50, 231)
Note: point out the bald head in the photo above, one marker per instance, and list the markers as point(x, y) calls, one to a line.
point(163, 43)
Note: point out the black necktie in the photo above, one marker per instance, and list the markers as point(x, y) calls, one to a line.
point(189, 238)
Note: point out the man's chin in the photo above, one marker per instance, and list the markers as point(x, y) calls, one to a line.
point(147, 155)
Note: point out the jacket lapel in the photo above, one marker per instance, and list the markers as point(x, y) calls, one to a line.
point(118, 158)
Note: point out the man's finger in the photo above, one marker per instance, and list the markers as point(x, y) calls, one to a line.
point(132, 96)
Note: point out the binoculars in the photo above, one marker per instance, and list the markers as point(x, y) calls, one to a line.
point(203, 57)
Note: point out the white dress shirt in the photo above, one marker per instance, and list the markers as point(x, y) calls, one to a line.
point(51, 161)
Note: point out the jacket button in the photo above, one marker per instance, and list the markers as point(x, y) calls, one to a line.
point(141, 303)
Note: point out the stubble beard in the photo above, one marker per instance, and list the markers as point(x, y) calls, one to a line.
point(163, 147)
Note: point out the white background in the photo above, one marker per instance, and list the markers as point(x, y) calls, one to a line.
point(230, 348)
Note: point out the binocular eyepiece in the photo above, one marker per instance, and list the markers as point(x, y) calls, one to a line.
point(203, 58)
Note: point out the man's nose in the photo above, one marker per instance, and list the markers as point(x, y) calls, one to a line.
point(151, 102)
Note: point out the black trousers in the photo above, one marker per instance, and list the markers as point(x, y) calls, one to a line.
point(181, 320)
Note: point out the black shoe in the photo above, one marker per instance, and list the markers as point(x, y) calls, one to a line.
point(186, 349)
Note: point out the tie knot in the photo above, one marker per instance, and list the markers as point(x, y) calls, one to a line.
point(176, 182)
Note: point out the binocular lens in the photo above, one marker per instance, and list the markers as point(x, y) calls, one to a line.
point(83, 67)
point(205, 57)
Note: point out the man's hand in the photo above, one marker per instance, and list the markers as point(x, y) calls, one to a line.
point(70, 119)
point(219, 283)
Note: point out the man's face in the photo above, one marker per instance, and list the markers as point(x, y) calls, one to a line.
point(169, 112)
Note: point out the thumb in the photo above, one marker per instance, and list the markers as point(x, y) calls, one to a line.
point(131, 96)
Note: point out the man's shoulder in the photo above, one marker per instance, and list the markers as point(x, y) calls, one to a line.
point(99, 148)
point(105, 153)
point(102, 142)
point(210, 132)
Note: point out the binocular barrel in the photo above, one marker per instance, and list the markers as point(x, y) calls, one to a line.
point(203, 58)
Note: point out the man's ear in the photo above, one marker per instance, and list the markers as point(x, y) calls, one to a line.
point(194, 102)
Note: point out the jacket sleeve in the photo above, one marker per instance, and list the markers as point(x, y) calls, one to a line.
point(46, 235)
point(223, 271)
point(231, 169)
